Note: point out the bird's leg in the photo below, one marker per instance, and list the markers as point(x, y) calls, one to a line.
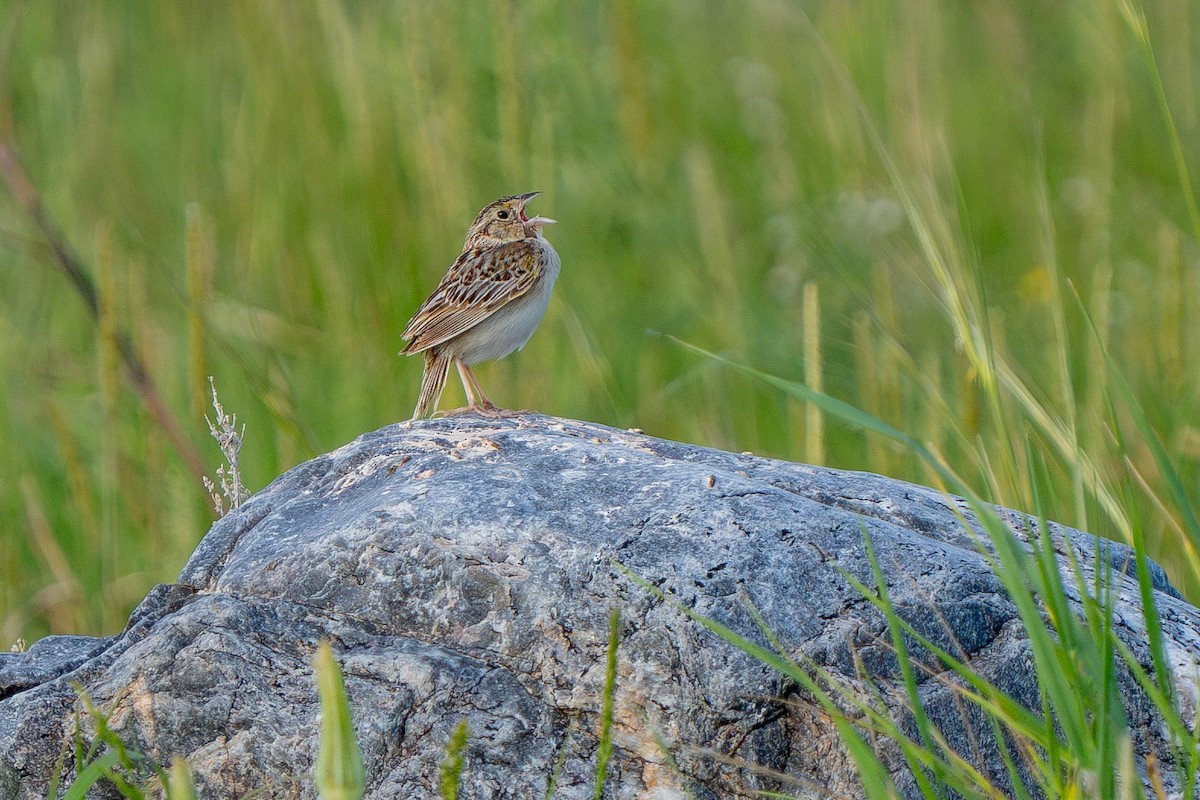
point(466, 374)
point(485, 407)
point(477, 401)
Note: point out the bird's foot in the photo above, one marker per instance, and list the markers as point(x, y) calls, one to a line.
point(484, 409)
point(453, 412)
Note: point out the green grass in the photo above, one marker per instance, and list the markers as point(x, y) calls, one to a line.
point(604, 746)
point(450, 770)
point(102, 757)
point(265, 193)
point(338, 773)
point(1078, 744)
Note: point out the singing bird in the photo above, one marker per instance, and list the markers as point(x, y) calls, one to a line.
point(488, 303)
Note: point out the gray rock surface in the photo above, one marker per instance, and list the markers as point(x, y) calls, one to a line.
point(466, 568)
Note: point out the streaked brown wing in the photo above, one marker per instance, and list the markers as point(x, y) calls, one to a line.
point(476, 285)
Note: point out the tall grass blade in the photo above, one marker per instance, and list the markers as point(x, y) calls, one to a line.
point(915, 703)
point(180, 785)
point(339, 772)
point(198, 271)
point(92, 774)
point(814, 421)
point(838, 408)
point(451, 769)
point(604, 749)
point(815, 681)
point(1135, 17)
point(1179, 495)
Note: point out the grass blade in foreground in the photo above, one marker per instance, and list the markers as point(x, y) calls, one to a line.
point(339, 771)
point(93, 773)
point(1074, 743)
point(179, 782)
point(451, 768)
point(876, 780)
point(838, 408)
point(604, 751)
point(1191, 520)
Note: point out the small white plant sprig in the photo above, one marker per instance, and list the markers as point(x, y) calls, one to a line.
point(232, 491)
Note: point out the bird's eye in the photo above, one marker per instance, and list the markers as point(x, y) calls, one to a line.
point(502, 214)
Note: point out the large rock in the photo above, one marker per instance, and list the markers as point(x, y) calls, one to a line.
point(467, 569)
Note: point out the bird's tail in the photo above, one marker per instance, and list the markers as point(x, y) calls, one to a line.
point(433, 380)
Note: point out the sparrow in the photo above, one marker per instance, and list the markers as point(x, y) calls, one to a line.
point(488, 303)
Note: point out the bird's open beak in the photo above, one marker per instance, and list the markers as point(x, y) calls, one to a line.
point(536, 222)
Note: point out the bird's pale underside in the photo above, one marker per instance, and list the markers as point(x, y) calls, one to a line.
point(488, 303)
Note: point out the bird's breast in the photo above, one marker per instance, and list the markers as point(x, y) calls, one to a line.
point(510, 326)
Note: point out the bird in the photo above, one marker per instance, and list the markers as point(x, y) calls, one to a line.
point(488, 304)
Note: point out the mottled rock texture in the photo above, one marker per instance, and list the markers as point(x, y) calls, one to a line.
point(466, 568)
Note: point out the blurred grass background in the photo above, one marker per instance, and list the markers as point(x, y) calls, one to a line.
point(265, 191)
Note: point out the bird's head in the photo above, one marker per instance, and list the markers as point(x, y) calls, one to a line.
point(504, 221)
